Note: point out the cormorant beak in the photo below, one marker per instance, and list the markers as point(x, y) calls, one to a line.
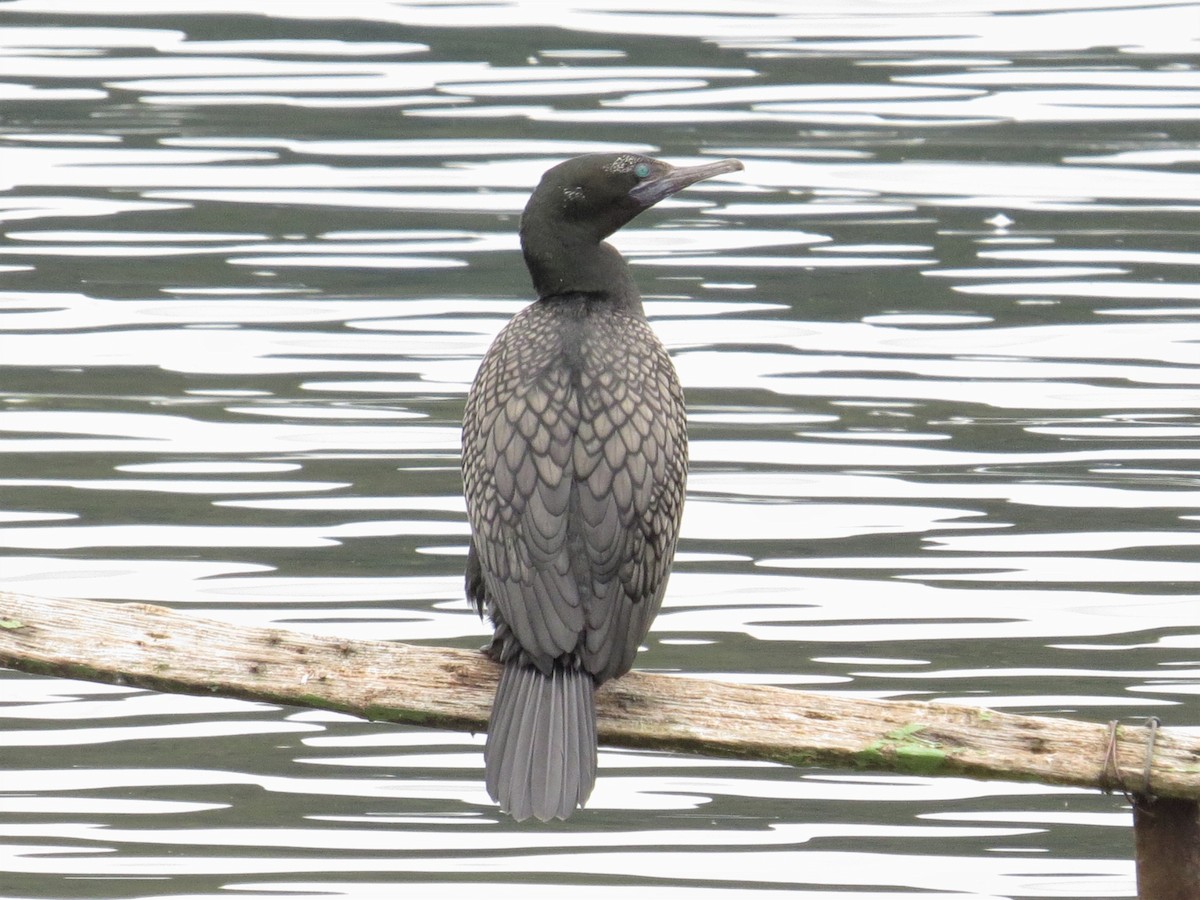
point(675, 179)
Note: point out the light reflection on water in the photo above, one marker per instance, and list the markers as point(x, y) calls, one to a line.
point(939, 340)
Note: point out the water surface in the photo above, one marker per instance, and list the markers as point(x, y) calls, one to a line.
point(939, 345)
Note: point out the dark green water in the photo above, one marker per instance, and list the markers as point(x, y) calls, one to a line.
point(939, 341)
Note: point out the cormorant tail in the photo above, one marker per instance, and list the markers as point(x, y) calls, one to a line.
point(541, 746)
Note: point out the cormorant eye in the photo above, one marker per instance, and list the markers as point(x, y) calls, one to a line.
point(641, 170)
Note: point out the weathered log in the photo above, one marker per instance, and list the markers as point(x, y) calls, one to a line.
point(157, 648)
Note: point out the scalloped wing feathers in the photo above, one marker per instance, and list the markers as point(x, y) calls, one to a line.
point(574, 463)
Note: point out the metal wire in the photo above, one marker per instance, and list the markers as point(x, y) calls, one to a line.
point(1110, 774)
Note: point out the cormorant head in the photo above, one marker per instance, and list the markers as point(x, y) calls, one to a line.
point(596, 194)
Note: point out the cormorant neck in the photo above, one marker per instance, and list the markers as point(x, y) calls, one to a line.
point(561, 261)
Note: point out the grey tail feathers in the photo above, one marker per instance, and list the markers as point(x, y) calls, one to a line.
point(541, 746)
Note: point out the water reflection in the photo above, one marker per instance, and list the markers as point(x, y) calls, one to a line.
point(939, 343)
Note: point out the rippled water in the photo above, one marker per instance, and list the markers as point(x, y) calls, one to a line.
point(939, 341)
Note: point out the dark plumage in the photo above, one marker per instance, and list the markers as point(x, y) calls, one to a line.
point(574, 463)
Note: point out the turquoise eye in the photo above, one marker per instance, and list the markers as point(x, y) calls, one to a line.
point(641, 170)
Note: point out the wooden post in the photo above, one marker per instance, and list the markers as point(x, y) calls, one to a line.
point(1167, 847)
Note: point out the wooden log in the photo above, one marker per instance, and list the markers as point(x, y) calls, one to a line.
point(157, 648)
point(1167, 841)
point(161, 649)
